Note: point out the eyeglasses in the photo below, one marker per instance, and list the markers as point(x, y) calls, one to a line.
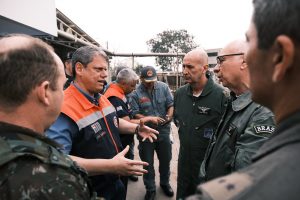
point(190, 66)
point(221, 58)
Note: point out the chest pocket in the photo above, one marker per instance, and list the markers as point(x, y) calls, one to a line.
point(146, 105)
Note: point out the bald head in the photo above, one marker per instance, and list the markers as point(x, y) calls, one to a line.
point(195, 65)
point(198, 55)
point(236, 46)
point(19, 41)
point(232, 70)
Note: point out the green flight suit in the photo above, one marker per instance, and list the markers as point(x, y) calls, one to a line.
point(197, 119)
point(244, 127)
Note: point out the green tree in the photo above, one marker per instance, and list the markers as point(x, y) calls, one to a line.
point(138, 69)
point(171, 41)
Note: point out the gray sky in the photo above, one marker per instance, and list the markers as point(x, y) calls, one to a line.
point(126, 25)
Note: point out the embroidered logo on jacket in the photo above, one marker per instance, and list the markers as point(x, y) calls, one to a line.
point(203, 110)
point(264, 129)
point(144, 100)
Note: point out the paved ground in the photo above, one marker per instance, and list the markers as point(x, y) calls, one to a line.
point(136, 190)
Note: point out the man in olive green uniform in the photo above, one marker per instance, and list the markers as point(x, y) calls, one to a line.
point(245, 125)
point(273, 60)
point(198, 108)
point(31, 94)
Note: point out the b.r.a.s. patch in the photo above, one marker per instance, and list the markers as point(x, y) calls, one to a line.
point(264, 129)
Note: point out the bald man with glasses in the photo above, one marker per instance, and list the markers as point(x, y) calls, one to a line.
point(245, 125)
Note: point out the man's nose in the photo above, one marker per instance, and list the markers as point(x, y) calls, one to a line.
point(217, 69)
point(104, 74)
point(184, 71)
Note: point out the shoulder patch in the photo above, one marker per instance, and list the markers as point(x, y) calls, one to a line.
point(119, 108)
point(227, 187)
point(116, 122)
point(260, 129)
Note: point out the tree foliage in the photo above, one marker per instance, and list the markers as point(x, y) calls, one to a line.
point(171, 41)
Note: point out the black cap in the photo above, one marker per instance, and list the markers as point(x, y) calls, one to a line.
point(148, 74)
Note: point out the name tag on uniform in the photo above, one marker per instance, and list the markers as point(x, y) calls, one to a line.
point(96, 127)
point(230, 129)
point(203, 110)
point(208, 132)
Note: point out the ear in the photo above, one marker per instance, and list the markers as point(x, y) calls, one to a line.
point(244, 66)
point(283, 57)
point(43, 92)
point(205, 68)
point(79, 68)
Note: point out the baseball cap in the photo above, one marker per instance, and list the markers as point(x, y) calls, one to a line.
point(148, 74)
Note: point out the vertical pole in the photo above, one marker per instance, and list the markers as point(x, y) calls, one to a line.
point(177, 66)
point(132, 61)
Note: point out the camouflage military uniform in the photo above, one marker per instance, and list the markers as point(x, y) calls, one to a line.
point(242, 130)
point(31, 167)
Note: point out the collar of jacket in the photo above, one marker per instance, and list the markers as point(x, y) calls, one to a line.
point(20, 132)
point(93, 99)
point(242, 101)
point(287, 132)
point(208, 88)
point(117, 88)
point(145, 89)
point(80, 96)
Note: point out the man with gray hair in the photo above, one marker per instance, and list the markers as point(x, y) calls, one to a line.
point(88, 127)
point(245, 126)
point(117, 93)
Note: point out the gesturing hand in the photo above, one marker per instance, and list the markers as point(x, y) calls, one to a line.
point(127, 167)
point(146, 132)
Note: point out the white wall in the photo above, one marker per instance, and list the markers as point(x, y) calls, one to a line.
point(39, 14)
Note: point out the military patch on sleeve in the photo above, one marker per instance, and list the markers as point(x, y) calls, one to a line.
point(264, 129)
point(227, 187)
